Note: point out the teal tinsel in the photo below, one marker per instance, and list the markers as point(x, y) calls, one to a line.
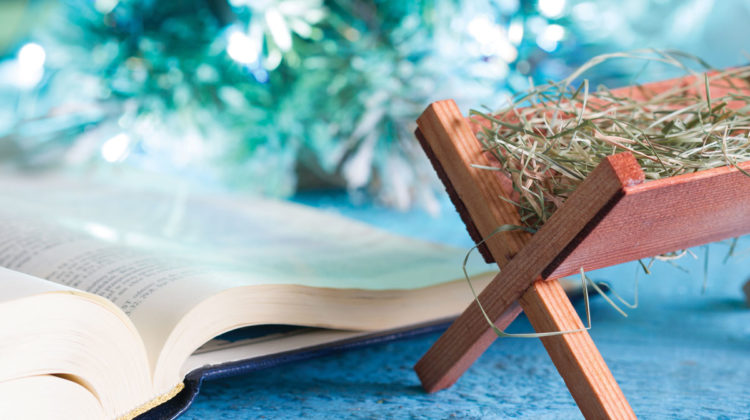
point(335, 106)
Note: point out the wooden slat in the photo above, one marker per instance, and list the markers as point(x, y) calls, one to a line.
point(694, 85)
point(442, 365)
point(459, 205)
point(581, 366)
point(666, 215)
point(454, 146)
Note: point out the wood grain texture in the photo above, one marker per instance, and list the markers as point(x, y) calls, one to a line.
point(447, 360)
point(666, 215)
point(575, 356)
point(455, 148)
point(458, 203)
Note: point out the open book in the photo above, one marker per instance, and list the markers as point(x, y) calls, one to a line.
point(109, 297)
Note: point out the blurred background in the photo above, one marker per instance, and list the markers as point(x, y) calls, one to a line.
point(283, 97)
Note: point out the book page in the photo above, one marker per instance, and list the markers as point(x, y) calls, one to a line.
point(48, 397)
point(15, 285)
point(157, 255)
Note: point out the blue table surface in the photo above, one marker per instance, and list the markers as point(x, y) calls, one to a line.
point(681, 354)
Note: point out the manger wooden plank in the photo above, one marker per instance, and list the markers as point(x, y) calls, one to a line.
point(666, 215)
point(694, 85)
point(452, 148)
point(460, 346)
point(575, 356)
point(455, 148)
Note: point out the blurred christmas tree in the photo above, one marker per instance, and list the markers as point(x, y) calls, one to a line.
point(272, 96)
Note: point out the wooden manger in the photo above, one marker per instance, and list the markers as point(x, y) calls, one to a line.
point(613, 217)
